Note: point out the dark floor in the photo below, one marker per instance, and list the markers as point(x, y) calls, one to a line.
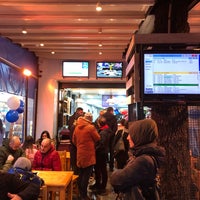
point(110, 195)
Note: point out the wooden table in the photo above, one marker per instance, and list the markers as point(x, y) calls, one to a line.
point(58, 181)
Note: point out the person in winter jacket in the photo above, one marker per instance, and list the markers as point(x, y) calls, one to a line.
point(85, 137)
point(111, 120)
point(12, 188)
point(138, 178)
point(121, 155)
point(102, 147)
point(47, 158)
point(23, 170)
point(10, 152)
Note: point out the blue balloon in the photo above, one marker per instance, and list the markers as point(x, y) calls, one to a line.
point(20, 109)
point(12, 116)
point(21, 104)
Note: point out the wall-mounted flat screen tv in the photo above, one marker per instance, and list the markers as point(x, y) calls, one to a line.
point(75, 68)
point(170, 75)
point(109, 69)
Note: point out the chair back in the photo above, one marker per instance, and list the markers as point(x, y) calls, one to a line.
point(43, 193)
point(62, 155)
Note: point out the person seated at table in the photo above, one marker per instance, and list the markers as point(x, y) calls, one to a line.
point(44, 134)
point(23, 170)
point(29, 147)
point(12, 188)
point(47, 158)
point(10, 152)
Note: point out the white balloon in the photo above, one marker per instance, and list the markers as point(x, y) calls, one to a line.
point(13, 103)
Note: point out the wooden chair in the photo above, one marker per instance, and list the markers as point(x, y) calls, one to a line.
point(62, 155)
point(75, 186)
point(43, 193)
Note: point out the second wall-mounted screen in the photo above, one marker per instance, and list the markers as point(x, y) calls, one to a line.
point(109, 69)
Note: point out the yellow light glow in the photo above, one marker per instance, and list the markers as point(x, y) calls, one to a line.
point(27, 72)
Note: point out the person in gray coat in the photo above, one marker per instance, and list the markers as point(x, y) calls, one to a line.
point(137, 180)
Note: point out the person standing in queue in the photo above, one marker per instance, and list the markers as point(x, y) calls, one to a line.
point(111, 121)
point(85, 137)
point(71, 126)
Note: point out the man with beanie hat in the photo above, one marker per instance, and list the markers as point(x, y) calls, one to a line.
point(84, 138)
point(138, 178)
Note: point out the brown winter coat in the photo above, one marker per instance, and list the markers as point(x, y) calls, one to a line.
point(85, 137)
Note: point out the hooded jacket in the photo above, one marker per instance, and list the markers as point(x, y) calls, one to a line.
point(85, 137)
point(141, 169)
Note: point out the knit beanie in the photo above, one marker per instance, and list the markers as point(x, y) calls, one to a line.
point(143, 132)
point(88, 116)
point(23, 163)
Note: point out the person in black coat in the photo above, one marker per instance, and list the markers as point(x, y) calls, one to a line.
point(12, 188)
point(111, 121)
point(138, 178)
point(121, 156)
point(102, 147)
point(71, 126)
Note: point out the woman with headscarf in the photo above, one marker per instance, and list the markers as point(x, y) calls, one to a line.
point(137, 180)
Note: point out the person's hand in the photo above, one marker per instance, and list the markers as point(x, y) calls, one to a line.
point(10, 158)
point(14, 196)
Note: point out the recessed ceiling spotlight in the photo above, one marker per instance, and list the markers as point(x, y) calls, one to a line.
point(100, 30)
point(41, 44)
point(24, 31)
point(100, 44)
point(100, 53)
point(53, 52)
point(98, 7)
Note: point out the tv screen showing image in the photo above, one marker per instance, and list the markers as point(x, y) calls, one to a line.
point(109, 69)
point(173, 74)
point(75, 68)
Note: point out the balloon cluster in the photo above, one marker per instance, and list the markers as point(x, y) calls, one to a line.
point(16, 107)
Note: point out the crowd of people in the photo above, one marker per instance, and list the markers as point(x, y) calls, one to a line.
point(96, 146)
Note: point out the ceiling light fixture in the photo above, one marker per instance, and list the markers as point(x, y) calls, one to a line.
point(100, 44)
point(100, 30)
point(24, 31)
point(98, 7)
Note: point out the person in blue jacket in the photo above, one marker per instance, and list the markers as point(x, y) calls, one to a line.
point(12, 188)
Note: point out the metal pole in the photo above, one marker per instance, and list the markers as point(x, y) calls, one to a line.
point(26, 110)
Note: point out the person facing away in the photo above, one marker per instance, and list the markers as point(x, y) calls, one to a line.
point(12, 188)
point(10, 152)
point(100, 168)
point(85, 137)
point(71, 126)
point(23, 170)
point(138, 177)
point(29, 147)
point(111, 120)
point(47, 158)
point(2, 132)
point(121, 156)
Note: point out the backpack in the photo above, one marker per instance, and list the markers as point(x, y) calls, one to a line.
point(27, 176)
point(119, 146)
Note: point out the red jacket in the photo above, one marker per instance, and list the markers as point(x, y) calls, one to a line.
point(47, 161)
point(85, 137)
